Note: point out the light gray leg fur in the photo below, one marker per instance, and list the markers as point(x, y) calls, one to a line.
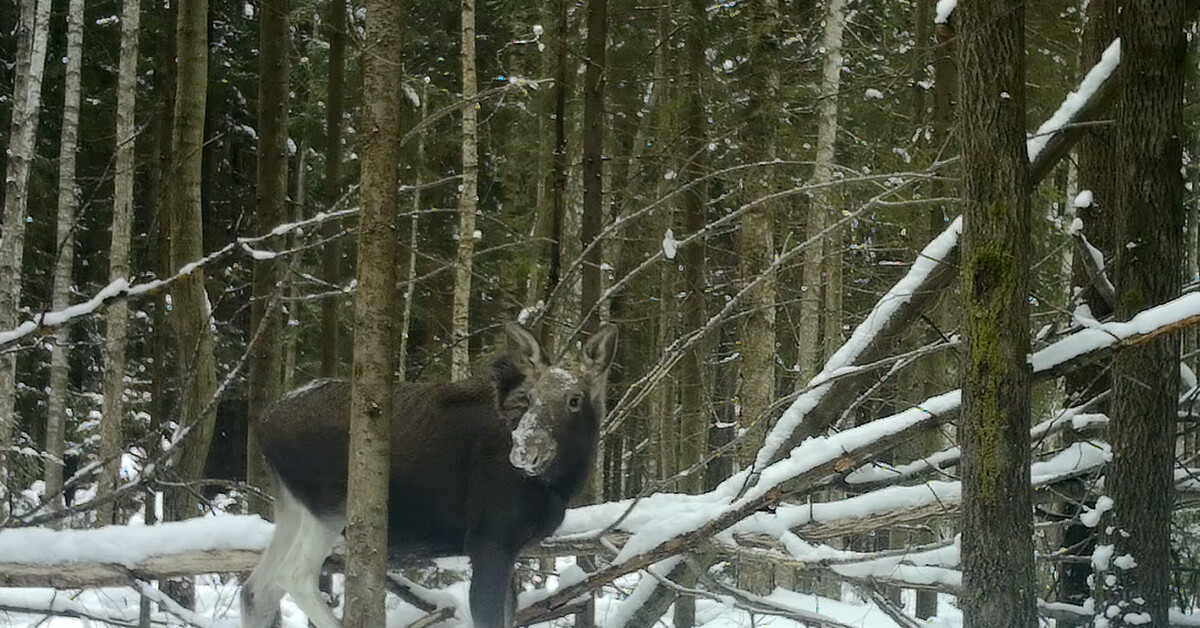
point(292, 564)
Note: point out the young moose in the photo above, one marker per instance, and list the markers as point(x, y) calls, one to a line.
point(463, 480)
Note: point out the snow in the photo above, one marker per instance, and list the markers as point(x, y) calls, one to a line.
point(1091, 516)
point(128, 545)
point(1103, 335)
point(669, 245)
point(944, 9)
point(1083, 199)
point(1125, 562)
point(1101, 556)
point(1074, 101)
point(872, 94)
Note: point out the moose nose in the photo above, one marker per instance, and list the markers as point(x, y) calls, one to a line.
point(530, 452)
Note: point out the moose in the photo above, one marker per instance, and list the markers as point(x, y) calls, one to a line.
point(480, 467)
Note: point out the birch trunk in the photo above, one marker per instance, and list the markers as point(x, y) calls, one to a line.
point(57, 406)
point(374, 305)
point(460, 354)
point(32, 33)
point(829, 201)
point(117, 316)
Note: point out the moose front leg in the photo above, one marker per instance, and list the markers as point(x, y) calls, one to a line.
point(492, 597)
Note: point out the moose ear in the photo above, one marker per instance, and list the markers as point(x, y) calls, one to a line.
point(525, 349)
point(599, 350)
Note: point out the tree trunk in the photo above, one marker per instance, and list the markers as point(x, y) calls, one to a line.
point(756, 242)
point(694, 396)
point(1149, 221)
point(756, 251)
point(57, 406)
point(827, 200)
point(460, 356)
point(1097, 169)
point(117, 315)
point(410, 272)
point(32, 33)
point(263, 380)
point(999, 588)
point(331, 254)
point(371, 375)
point(190, 309)
point(593, 158)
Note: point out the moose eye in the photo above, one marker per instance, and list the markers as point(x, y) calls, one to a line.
point(575, 402)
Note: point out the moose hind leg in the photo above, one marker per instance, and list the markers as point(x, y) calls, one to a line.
point(301, 569)
point(261, 592)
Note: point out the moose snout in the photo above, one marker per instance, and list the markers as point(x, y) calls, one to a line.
point(532, 452)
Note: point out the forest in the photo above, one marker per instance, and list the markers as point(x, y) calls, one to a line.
point(888, 308)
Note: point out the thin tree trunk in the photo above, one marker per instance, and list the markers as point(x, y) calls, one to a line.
point(331, 254)
point(410, 272)
point(32, 33)
point(1097, 166)
point(1149, 221)
point(999, 588)
point(64, 264)
point(117, 315)
point(460, 356)
point(694, 420)
point(829, 201)
point(371, 375)
point(264, 381)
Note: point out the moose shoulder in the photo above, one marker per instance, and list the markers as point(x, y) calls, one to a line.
point(481, 468)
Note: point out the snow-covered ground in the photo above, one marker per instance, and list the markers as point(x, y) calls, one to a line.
point(217, 606)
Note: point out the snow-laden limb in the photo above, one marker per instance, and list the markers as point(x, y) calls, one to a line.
point(859, 343)
point(1078, 102)
point(814, 410)
point(123, 288)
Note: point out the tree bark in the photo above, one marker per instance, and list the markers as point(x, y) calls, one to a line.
point(331, 254)
point(999, 588)
point(410, 268)
point(693, 390)
point(117, 316)
point(374, 305)
point(460, 356)
point(593, 158)
point(32, 32)
point(190, 310)
point(1149, 230)
point(829, 201)
point(264, 378)
point(756, 241)
point(57, 406)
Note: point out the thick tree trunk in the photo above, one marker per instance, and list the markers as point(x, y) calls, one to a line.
point(460, 355)
point(1149, 223)
point(266, 325)
point(331, 254)
point(999, 588)
point(191, 311)
point(117, 316)
point(32, 33)
point(57, 406)
point(756, 241)
point(374, 306)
